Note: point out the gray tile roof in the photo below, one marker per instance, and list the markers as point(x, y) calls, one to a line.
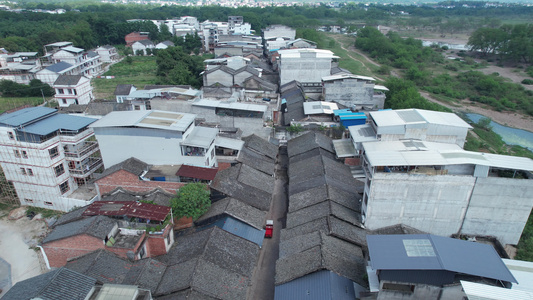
point(261, 146)
point(246, 184)
point(123, 89)
point(98, 108)
point(234, 208)
point(262, 84)
point(70, 216)
point(309, 141)
point(256, 161)
point(158, 196)
point(58, 284)
point(330, 225)
point(310, 253)
point(320, 210)
point(68, 80)
point(97, 226)
point(397, 229)
point(132, 165)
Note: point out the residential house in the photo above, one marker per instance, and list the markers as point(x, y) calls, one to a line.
point(47, 156)
point(188, 173)
point(156, 138)
point(63, 283)
point(132, 175)
point(82, 62)
point(50, 74)
point(107, 53)
point(122, 91)
point(292, 102)
point(141, 46)
point(19, 67)
point(301, 43)
point(321, 247)
point(417, 124)
point(164, 45)
point(73, 89)
point(319, 111)
point(200, 265)
point(424, 266)
point(353, 91)
point(147, 232)
point(277, 36)
point(445, 190)
point(141, 99)
point(133, 37)
point(308, 66)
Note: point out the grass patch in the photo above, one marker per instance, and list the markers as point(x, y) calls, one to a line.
point(46, 213)
point(346, 61)
point(8, 103)
point(140, 72)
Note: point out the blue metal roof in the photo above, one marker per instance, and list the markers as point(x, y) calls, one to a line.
point(321, 285)
point(353, 117)
point(431, 252)
point(58, 122)
point(241, 229)
point(60, 66)
point(26, 115)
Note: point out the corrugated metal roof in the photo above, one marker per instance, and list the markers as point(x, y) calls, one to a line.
point(414, 116)
point(128, 208)
point(389, 252)
point(72, 49)
point(60, 66)
point(478, 291)
point(347, 76)
point(26, 115)
point(319, 107)
point(58, 122)
point(225, 142)
point(241, 229)
point(396, 153)
point(197, 172)
point(523, 272)
point(320, 285)
point(147, 118)
point(201, 137)
point(344, 148)
point(230, 105)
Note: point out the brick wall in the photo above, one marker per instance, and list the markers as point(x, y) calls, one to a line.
point(131, 182)
point(156, 244)
point(59, 251)
point(134, 37)
point(122, 252)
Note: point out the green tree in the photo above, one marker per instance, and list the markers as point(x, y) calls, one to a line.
point(164, 33)
point(192, 201)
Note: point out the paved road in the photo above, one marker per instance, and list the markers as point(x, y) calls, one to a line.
point(263, 278)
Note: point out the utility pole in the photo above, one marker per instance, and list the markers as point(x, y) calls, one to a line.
point(42, 93)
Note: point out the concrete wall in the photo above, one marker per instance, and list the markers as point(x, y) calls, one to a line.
point(279, 31)
point(499, 207)
point(219, 76)
point(351, 92)
point(435, 204)
point(304, 69)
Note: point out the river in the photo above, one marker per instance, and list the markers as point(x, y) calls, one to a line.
point(511, 136)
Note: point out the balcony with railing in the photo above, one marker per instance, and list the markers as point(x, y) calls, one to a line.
point(86, 169)
point(85, 151)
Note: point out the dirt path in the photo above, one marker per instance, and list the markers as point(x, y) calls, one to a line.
point(511, 119)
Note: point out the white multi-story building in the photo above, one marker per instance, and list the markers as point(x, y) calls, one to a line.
point(442, 189)
point(47, 156)
point(73, 89)
point(307, 66)
point(19, 67)
point(156, 138)
point(107, 53)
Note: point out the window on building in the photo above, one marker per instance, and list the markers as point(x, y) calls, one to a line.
point(148, 105)
point(137, 107)
point(22, 171)
point(75, 93)
point(17, 153)
point(64, 187)
point(28, 200)
point(60, 91)
point(54, 152)
point(59, 169)
point(30, 171)
point(70, 91)
point(24, 154)
point(10, 135)
point(64, 101)
point(48, 203)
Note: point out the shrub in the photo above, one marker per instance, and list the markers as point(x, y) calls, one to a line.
point(527, 81)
